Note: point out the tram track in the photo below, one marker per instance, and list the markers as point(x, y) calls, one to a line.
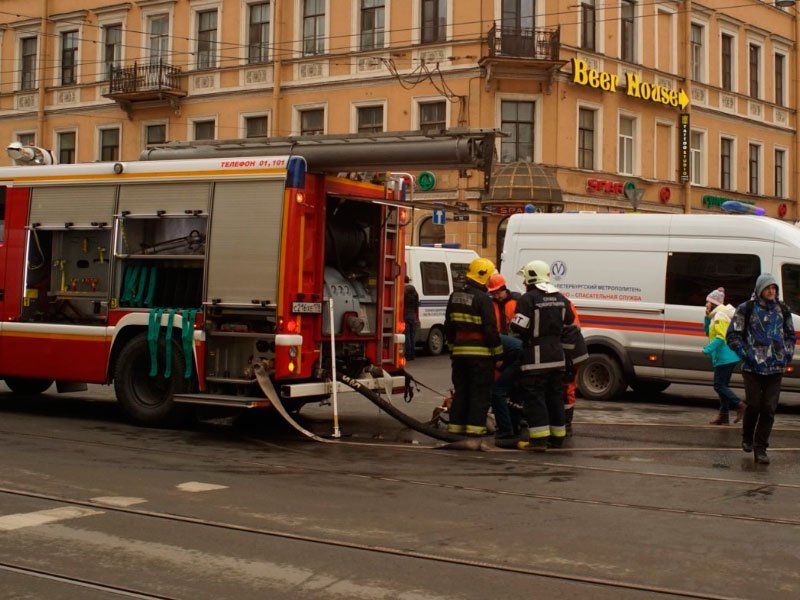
point(336, 543)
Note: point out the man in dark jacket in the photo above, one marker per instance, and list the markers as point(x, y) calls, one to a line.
point(411, 317)
point(763, 336)
point(475, 347)
point(546, 324)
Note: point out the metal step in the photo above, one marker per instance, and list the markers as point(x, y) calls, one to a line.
point(222, 400)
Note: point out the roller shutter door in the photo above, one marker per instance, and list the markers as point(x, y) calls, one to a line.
point(172, 198)
point(80, 205)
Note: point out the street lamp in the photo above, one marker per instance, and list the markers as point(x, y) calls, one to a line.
point(784, 3)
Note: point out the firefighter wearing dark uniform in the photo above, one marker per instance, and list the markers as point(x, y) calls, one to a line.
point(475, 345)
point(545, 322)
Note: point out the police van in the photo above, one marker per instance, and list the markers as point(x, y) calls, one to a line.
point(639, 283)
point(435, 272)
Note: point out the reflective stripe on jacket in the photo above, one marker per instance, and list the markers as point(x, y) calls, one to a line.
point(470, 325)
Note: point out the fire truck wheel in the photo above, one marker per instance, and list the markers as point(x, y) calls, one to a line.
point(600, 378)
point(28, 387)
point(145, 399)
point(435, 343)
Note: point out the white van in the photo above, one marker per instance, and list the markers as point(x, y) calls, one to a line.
point(639, 283)
point(435, 271)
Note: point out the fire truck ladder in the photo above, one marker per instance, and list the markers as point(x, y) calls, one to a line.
point(389, 316)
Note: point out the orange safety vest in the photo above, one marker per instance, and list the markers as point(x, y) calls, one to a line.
point(504, 313)
point(569, 388)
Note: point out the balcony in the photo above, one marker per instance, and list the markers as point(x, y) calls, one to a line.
point(145, 83)
point(520, 53)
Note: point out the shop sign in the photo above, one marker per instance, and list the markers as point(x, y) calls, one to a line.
point(603, 186)
point(717, 201)
point(683, 148)
point(582, 74)
point(426, 181)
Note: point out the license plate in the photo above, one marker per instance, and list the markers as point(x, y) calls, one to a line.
point(314, 308)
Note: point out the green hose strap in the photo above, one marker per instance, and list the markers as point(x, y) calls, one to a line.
point(187, 334)
point(151, 287)
point(170, 323)
point(129, 286)
point(153, 329)
point(141, 285)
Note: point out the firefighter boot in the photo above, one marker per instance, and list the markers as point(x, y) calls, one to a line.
point(568, 414)
point(524, 438)
point(722, 419)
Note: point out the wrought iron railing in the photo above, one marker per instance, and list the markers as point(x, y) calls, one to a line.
point(148, 77)
point(539, 44)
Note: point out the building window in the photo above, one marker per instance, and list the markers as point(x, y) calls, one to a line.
point(588, 25)
point(626, 129)
point(586, 138)
point(27, 139)
point(66, 148)
point(627, 32)
point(370, 119)
point(312, 122)
point(517, 16)
point(255, 126)
point(755, 63)
point(207, 39)
point(28, 64)
point(112, 49)
point(204, 130)
point(434, 21)
point(69, 52)
point(372, 24)
point(430, 234)
point(258, 33)
point(726, 163)
point(517, 122)
point(780, 63)
point(696, 155)
point(109, 144)
point(313, 27)
point(754, 166)
point(689, 273)
point(433, 116)
point(158, 30)
point(727, 62)
point(697, 52)
point(155, 134)
point(780, 164)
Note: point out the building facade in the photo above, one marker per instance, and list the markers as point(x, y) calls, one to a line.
point(605, 106)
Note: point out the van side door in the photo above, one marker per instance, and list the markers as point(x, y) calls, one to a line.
point(789, 269)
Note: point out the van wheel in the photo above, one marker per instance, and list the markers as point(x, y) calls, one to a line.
point(144, 399)
point(600, 378)
point(649, 387)
point(435, 343)
point(23, 386)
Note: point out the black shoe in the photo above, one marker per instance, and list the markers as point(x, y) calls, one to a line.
point(539, 445)
point(506, 441)
point(761, 456)
point(747, 447)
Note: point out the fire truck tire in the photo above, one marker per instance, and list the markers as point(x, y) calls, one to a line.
point(435, 344)
point(23, 386)
point(144, 399)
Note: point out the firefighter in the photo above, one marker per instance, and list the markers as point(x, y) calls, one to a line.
point(569, 381)
point(504, 300)
point(545, 322)
point(475, 344)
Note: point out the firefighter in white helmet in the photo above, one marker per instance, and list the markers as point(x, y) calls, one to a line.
point(471, 331)
point(545, 322)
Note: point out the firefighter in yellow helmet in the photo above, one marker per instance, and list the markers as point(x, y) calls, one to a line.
point(545, 322)
point(471, 331)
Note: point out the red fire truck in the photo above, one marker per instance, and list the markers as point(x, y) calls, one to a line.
point(205, 278)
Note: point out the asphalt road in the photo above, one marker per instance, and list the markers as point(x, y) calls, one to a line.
point(647, 502)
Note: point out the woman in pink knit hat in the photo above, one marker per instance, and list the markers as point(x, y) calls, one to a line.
point(723, 359)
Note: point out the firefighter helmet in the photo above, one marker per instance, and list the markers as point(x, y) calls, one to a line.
point(496, 283)
point(536, 271)
point(480, 270)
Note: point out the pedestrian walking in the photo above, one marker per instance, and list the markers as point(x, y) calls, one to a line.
point(545, 323)
point(723, 359)
point(471, 332)
point(411, 317)
point(763, 336)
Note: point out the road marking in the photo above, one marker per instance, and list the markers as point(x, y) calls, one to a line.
point(123, 501)
point(197, 486)
point(43, 517)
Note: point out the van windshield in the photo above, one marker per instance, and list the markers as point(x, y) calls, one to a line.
point(790, 290)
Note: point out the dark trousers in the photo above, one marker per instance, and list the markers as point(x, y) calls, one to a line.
point(761, 396)
point(472, 385)
point(411, 334)
point(501, 391)
point(544, 406)
point(722, 379)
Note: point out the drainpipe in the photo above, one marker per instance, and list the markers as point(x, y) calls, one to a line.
point(276, 70)
point(797, 121)
point(42, 73)
point(687, 78)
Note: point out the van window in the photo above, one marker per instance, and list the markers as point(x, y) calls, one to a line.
point(692, 275)
point(434, 279)
point(458, 272)
point(790, 288)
